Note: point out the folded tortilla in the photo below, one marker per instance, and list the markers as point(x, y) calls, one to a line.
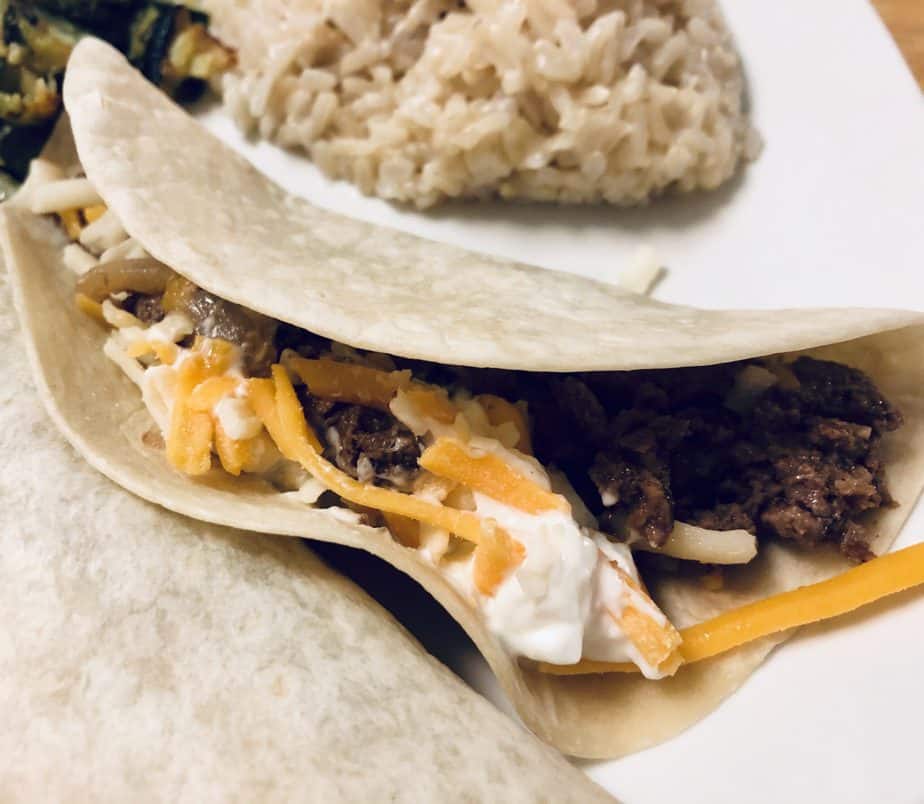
point(202, 210)
point(149, 657)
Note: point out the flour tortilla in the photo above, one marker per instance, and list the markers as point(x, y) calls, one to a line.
point(198, 207)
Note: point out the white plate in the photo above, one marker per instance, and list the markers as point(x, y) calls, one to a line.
point(832, 213)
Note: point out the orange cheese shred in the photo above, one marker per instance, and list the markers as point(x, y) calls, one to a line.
point(94, 213)
point(496, 556)
point(431, 403)
point(177, 294)
point(348, 382)
point(500, 411)
point(217, 354)
point(291, 435)
point(657, 644)
point(406, 531)
point(189, 440)
point(234, 455)
point(859, 586)
point(70, 220)
point(211, 391)
point(491, 475)
point(90, 307)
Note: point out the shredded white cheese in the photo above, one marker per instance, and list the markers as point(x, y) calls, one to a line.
point(116, 317)
point(104, 233)
point(62, 195)
point(171, 329)
point(128, 249)
point(78, 259)
point(642, 273)
point(43, 171)
point(158, 390)
point(116, 353)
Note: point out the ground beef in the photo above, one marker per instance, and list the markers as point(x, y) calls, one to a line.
point(372, 445)
point(834, 390)
point(369, 444)
point(635, 497)
point(801, 462)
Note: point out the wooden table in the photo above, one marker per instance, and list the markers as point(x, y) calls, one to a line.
point(905, 19)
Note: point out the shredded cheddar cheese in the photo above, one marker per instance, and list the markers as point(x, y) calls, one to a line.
point(217, 354)
point(234, 455)
point(499, 411)
point(211, 391)
point(657, 642)
point(431, 403)
point(189, 440)
point(490, 475)
point(90, 307)
point(348, 382)
point(406, 531)
point(495, 556)
point(70, 219)
point(94, 213)
point(859, 586)
point(291, 436)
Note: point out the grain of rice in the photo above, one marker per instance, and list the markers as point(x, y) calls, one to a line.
point(554, 100)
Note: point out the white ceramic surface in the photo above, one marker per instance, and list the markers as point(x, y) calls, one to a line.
point(832, 213)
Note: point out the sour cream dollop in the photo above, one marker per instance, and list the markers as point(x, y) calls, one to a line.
point(539, 611)
point(558, 606)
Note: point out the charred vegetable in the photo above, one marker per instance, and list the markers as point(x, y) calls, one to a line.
point(169, 43)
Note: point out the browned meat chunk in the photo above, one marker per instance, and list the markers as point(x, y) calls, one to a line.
point(834, 390)
point(369, 444)
point(634, 497)
point(726, 516)
point(800, 462)
point(818, 498)
point(845, 437)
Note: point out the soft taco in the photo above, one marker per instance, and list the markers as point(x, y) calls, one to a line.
point(616, 498)
point(149, 657)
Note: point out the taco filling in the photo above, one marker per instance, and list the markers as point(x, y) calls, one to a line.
point(534, 493)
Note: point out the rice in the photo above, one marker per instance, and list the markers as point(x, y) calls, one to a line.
point(418, 101)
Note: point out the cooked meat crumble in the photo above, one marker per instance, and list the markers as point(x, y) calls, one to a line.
point(784, 451)
point(799, 460)
point(369, 444)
